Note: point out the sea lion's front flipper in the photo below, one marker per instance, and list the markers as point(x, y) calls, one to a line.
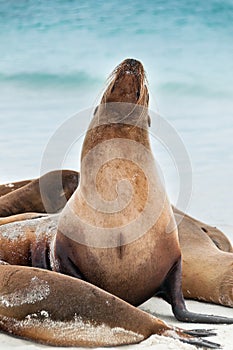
point(171, 291)
point(59, 310)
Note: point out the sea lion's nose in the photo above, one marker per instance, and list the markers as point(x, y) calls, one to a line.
point(132, 62)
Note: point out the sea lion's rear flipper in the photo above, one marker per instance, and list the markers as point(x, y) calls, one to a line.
point(171, 291)
point(59, 310)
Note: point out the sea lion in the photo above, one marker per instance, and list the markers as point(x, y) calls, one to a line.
point(220, 240)
point(12, 186)
point(131, 267)
point(207, 270)
point(86, 316)
point(49, 193)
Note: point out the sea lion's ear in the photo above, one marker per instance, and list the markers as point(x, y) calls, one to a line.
point(149, 120)
point(96, 109)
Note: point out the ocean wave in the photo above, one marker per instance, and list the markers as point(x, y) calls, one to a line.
point(46, 79)
point(194, 89)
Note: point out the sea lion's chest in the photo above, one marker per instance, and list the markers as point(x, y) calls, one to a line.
point(116, 224)
point(133, 271)
point(127, 252)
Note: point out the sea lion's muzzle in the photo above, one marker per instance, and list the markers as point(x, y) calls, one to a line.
point(128, 84)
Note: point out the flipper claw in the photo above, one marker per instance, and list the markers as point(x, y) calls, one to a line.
point(200, 332)
point(202, 343)
point(183, 315)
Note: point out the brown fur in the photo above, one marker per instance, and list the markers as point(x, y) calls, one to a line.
point(46, 194)
point(217, 237)
point(119, 323)
point(207, 270)
point(12, 186)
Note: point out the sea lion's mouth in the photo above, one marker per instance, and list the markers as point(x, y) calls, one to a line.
point(127, 84)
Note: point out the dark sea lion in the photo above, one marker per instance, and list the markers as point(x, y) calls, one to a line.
point(12, 186)
point(49, 193)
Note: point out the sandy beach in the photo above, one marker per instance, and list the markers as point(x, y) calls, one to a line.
point(160, 309)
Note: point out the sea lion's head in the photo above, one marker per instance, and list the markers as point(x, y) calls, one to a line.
point(123, 109)
point(126, 97)
point(127, 84)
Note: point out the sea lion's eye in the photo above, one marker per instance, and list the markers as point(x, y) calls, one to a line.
point(138, 94)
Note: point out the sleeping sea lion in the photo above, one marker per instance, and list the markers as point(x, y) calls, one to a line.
point(51, 190)
point(207, 270)
point(12, 186)
point(59, 310)
point(220, 240)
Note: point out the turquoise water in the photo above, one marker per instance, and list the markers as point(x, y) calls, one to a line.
point(56, 56)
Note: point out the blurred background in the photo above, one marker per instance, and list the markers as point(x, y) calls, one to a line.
point(55, 59)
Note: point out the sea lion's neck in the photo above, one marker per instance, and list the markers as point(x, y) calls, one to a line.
point(112, 124)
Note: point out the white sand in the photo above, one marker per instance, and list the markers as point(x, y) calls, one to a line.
point(159, 309)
